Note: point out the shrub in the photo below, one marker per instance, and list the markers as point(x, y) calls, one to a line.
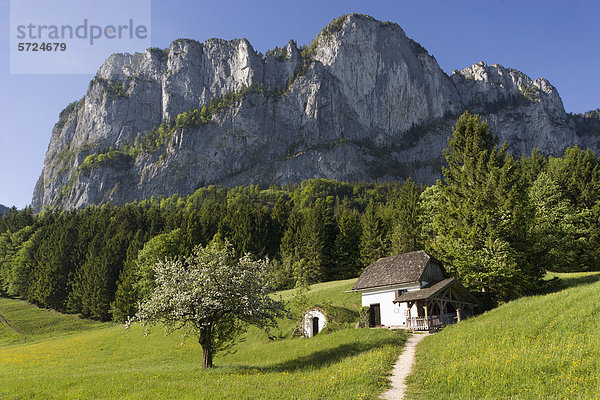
point(363, 321)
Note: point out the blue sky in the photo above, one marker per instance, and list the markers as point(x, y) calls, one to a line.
point(558, 40)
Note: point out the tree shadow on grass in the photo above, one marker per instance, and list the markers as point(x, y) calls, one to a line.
point(566, 282)
point(320, 358)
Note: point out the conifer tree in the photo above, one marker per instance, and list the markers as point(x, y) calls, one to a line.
point(126, 295)
point(406, 231)
point(318, 241)
point(347, 244)
point(481, 220)
point(50, 280)
point(372, 242)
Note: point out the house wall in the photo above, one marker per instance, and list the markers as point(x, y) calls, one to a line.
point(433, 272)
point(391, 314)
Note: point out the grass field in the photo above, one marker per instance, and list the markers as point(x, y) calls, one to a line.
point(569, 280)
point(58, 356)
point(20, 323)
point(541, 347)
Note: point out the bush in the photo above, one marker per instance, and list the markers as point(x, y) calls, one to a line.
point(363, 321)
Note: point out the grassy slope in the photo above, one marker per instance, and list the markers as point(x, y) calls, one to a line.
point(29, 323)
point(105, 361)
point(569, 280)
point(328, 293)
point(544, 347)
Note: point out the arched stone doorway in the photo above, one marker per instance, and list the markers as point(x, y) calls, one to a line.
point(313, 322)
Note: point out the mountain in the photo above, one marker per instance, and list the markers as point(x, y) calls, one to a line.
point(3, 210)
point(362, 102)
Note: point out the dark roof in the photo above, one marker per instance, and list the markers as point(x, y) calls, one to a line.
point(434, 289)
point(425, 292)
point(404, 268)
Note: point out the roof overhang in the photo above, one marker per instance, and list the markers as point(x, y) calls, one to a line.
point(435, 289)
point(384, 287)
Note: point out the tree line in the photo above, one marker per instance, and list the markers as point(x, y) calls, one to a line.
point(498, 223)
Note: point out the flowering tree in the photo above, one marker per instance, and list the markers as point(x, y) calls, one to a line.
point(212, 295)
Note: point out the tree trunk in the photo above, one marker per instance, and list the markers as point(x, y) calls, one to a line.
point(206, 343)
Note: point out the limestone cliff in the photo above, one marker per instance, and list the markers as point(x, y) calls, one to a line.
point(362, 102)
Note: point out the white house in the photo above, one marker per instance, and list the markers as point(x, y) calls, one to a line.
point(412, 291)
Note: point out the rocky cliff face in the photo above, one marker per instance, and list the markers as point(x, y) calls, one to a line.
point(362, 102)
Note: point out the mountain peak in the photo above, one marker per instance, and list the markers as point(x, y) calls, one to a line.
point(362, 102)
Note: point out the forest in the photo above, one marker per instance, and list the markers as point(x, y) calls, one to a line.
point(497, 223)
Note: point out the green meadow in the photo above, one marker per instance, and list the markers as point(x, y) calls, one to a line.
point(47, 355)
point(540, 347)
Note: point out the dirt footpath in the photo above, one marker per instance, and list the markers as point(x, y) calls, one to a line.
point(402, 368)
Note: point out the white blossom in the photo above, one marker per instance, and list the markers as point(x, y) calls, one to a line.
point(211, 294)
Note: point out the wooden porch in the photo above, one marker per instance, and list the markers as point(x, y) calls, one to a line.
point(443, 303)
point(430, 323)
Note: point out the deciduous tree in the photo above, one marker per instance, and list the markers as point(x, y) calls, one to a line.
point(213, 295)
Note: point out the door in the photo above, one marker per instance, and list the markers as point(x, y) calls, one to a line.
point(374, 316)
point(315, 325)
